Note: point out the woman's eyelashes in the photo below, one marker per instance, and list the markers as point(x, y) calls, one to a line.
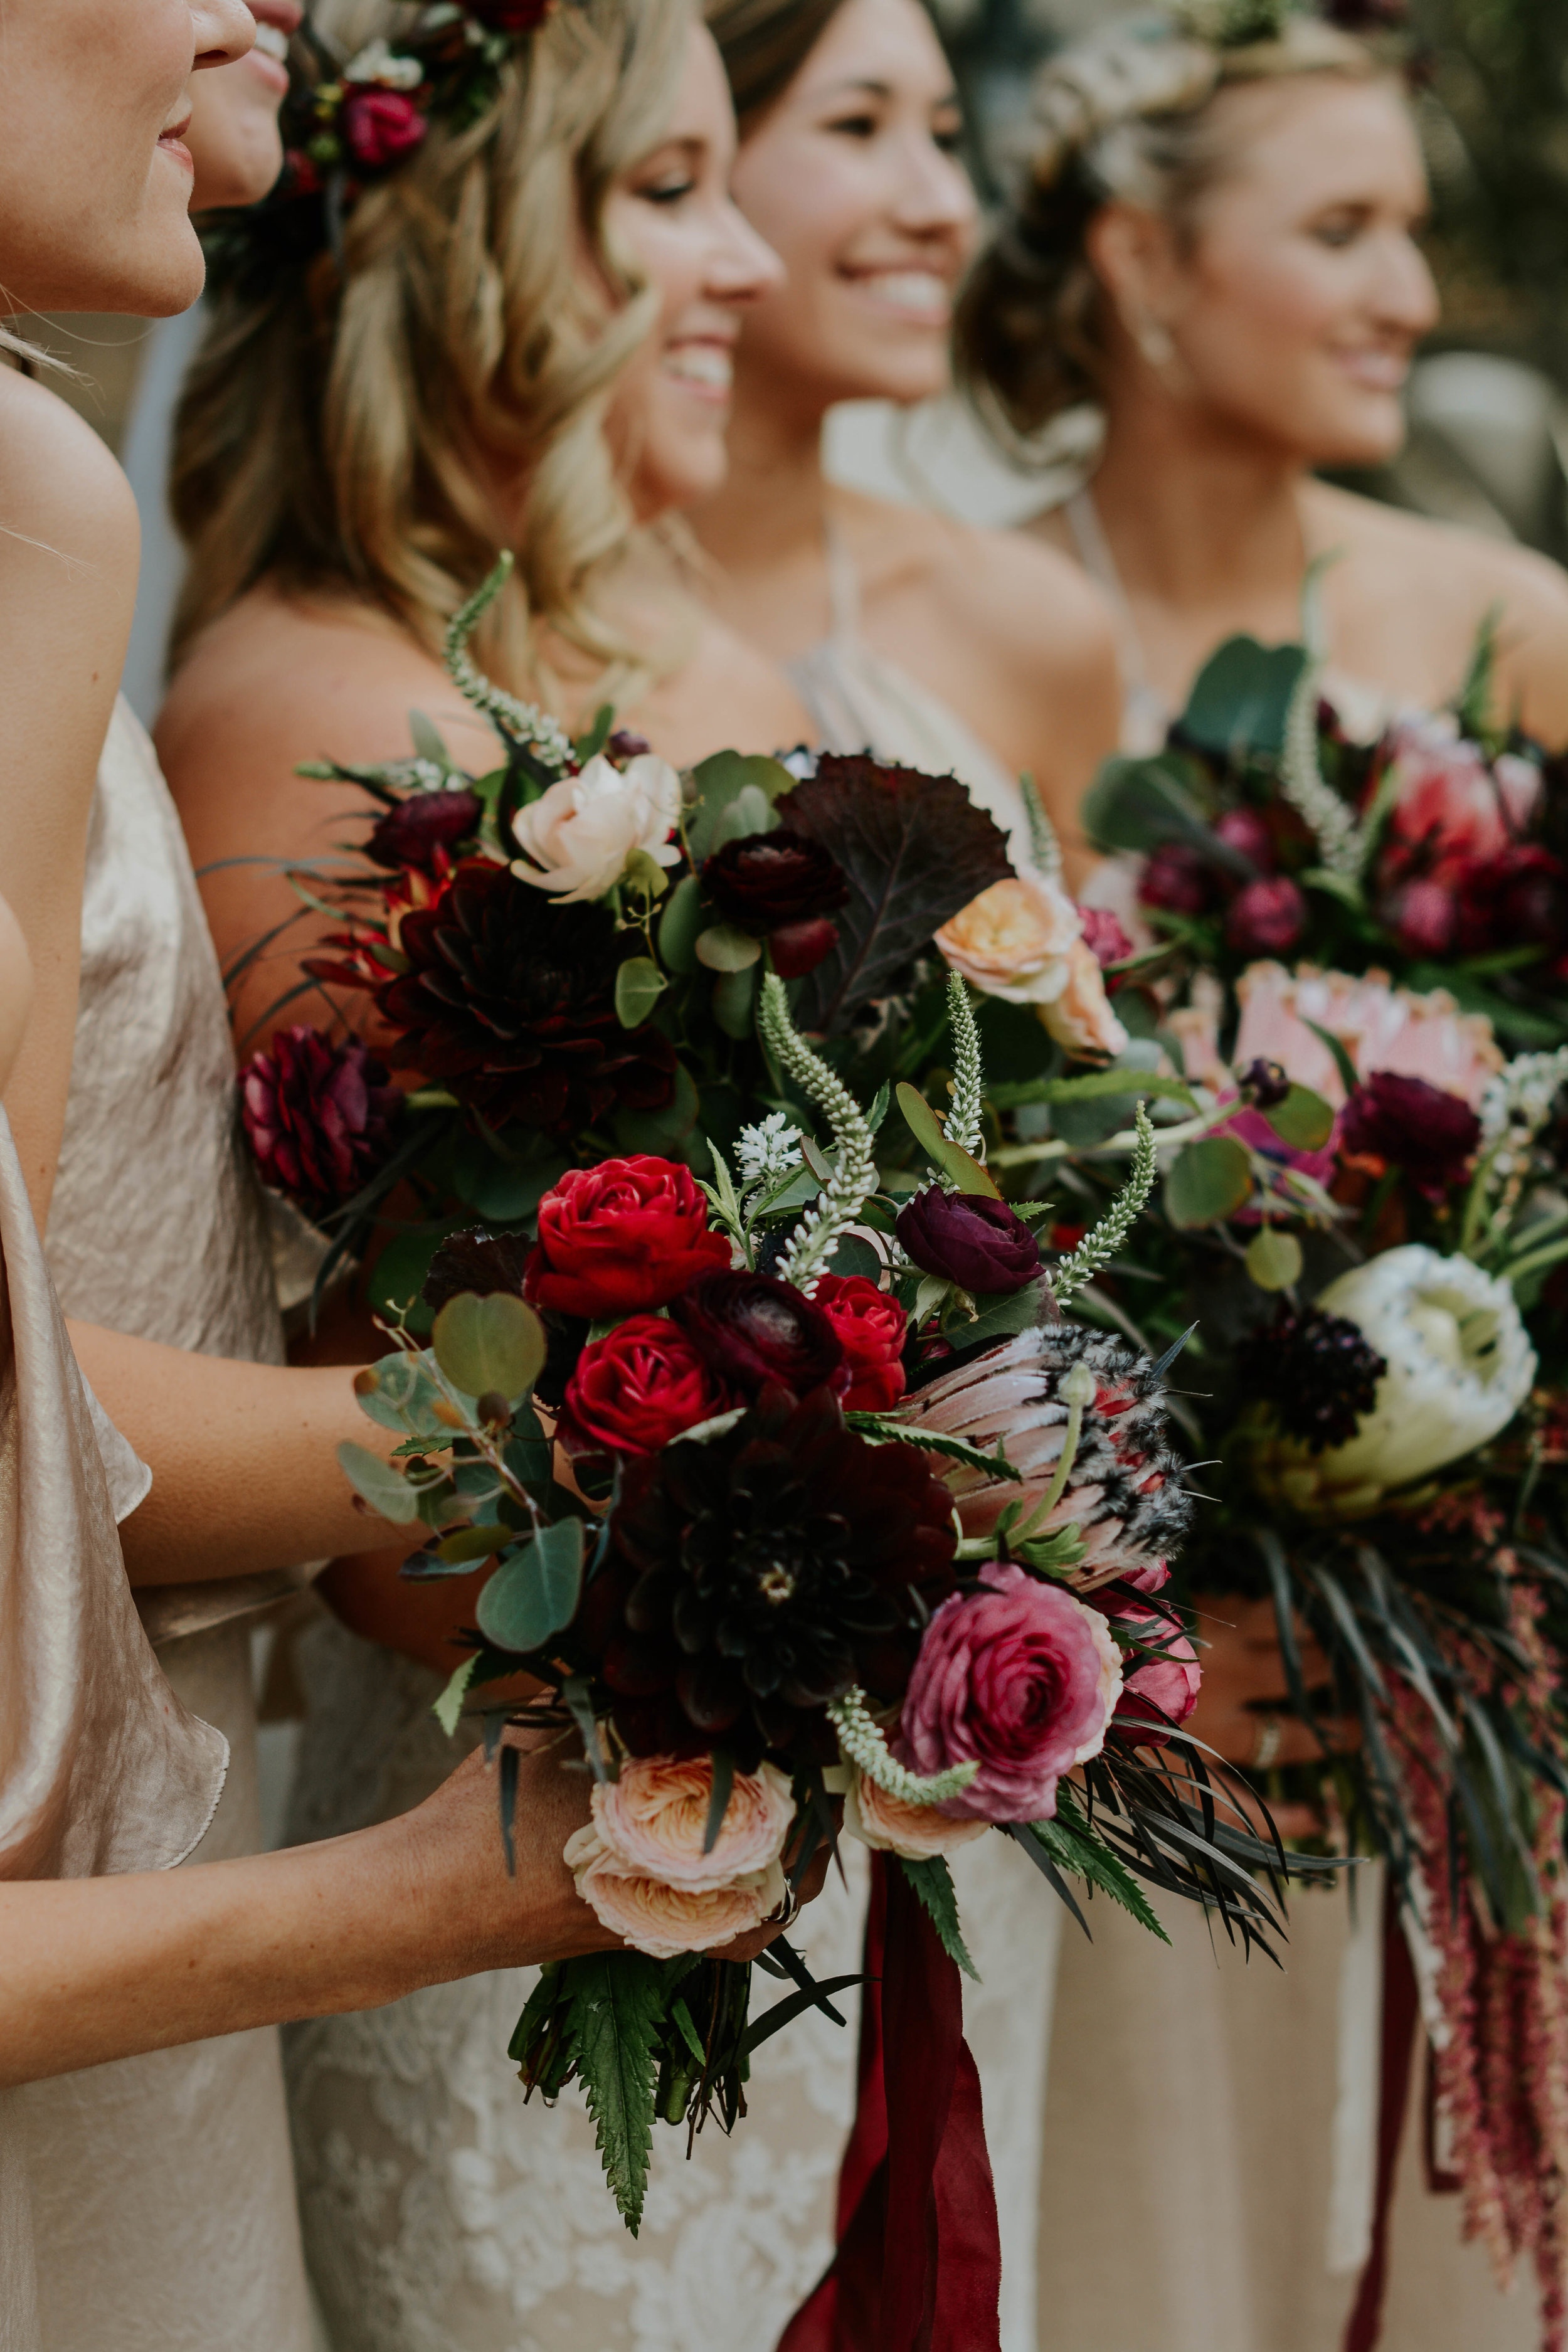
point(866, 122)
point(667, 192)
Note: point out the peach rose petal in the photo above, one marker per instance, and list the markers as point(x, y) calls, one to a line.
point(893, 1825)
point(653, 1820)
point(662, 1920)
point(1014, 941)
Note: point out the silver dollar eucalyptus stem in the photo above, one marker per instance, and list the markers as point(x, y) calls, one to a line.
point(860, 1737)
point(964, 1121)
point(524, 723)
point(854, 1177)
point(1099, 1246)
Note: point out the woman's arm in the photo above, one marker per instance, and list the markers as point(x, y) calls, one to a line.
point(69, 546)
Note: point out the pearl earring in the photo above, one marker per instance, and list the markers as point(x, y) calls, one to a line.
point(1154, 339)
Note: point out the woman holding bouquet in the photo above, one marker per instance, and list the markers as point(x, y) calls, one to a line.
point(1217, 246)
point(951, 650)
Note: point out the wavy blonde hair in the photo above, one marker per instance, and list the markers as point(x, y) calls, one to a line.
point(1128, 114)
point(361, 428)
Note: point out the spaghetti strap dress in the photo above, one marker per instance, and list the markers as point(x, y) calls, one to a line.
point(163, 2211)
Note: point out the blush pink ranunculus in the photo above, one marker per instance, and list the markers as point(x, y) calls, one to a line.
point(1021, 1679)
point(894, 1825)
point(1449, 805)
point(660, 1919)
point(653, 1820)
point(1158, 1691)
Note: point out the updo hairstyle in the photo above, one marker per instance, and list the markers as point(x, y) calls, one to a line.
point(1131, 114)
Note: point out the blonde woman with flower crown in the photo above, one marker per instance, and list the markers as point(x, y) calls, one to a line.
point(1214, 257)
point(522, 341)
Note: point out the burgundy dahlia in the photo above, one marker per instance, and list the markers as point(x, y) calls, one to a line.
point(1430, 1134)
point(1318, 1371)
point(758, 1575)
point(509, 1000)
point(424, 830)
point(319, 1116)
point(979, 1243)
point(754, 1333)
point(1178, 880)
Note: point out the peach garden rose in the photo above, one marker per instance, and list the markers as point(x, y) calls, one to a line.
point(660, 1919)
point(1014, 941)
point(896, 1826)
point(653, 1820)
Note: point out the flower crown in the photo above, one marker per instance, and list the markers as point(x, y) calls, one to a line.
point(1239, 24)
point(346, 127)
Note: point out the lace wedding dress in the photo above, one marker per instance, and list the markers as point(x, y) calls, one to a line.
point(163, 2204)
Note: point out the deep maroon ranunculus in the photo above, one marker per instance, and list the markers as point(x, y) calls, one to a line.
point(977, 1243)
point(1179, 879)
point(1266, 917)
point(872, 1328)
point(799, 948)
point(769, 881)
point(424, 829)
point(1431, 1134)
point(756, 1332)
point(1424, 917)
point(639, 1388)
point(380, 126)
point(319, 1116)
point(1247, 830)
point(476, 1261)
point(1103, 936)
point(620, 1238)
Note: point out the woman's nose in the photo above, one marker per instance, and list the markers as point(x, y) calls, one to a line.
point(224, 32)
point(744, 267)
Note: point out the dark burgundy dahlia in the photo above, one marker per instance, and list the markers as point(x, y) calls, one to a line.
point(319, 1117)
point(1318, 1371)
point(509, 1000)
point(755, 1577)
point(425, 829)
point(509, 15)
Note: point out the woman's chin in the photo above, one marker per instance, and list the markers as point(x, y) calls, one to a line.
point(681, 475)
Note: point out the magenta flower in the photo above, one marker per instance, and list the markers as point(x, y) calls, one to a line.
point(1159, 1686)
point(319, 1116)
point(1020, 1679)
point(380, 126)
point(1266, 918)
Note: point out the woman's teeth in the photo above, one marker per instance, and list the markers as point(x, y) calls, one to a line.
point(272, 43)
point(703, 363)
point(911, 290)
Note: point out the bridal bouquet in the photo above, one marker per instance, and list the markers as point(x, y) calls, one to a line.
point(1365, 1206)
point(861, 1536)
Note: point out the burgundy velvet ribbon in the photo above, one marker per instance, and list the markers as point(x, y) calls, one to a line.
point(919, 2266)
point(1399, 2014)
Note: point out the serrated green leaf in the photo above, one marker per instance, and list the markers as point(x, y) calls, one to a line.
point(639, 985)
point(535, 1590)
point(617, 2013)
point(1073, 1846)
point(932, 1881)
point(449, 1708)
point(1304, 1120)
point(494, 1343)
point(884, 1430)
point(1208, 1181)
point(378, 1483)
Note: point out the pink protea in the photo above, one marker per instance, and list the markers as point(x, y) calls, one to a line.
point(1380, 1026)
point(1123, 1494)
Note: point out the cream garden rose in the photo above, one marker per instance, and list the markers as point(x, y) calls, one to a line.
point(895, 1826)
point(577, 837)
point(660, 1919)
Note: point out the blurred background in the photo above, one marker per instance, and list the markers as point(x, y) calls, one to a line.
point(1489, 403)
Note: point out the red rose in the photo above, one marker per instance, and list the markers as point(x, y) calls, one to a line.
point(871, 1328)
point(380, 126)
point(621, 1237)
point(635, 1390)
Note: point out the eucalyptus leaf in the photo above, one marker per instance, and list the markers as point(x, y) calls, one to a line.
point(1304, 1120)
point(469, 1544)
point(682, 919)
point(493, 1343)
point(399, 1391)
point(735, 1002)
point(378, 1484)
point(724, 949)
point(1274, 1259)
point(720, 780)
point(661, 1130)
point(1207, 1181)
point(535, 1590)
point(639, 985)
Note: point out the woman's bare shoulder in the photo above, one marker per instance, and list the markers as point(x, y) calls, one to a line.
point(60, 487)
point(725, 695)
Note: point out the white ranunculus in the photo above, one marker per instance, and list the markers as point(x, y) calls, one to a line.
point(1460, 1366)
point(577, 837)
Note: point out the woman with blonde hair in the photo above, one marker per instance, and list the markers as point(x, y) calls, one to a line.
point(1212, 269)
point(517, 336)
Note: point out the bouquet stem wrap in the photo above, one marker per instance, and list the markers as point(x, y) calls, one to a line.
point(918, 2265)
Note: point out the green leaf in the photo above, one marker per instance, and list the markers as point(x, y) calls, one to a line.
point(639, 985)
point(1241, 698)
point(925, 1126)
point(680, 924)
point(1208, 1181)
point(535, 1590)
point(397, 1278)
point(661, 1130)
point(885, 1430)
point(724, 949)
point(427, 740)
point(721, 780)
point(1342, 1062)
point(501, 1189)
point(1139, 804)
point(1001, 1317)
point(1073, 1845)
point(1095, 1088)
point(735, 1001)
point(795, 2004)
point(399, 1391)
point(378, 1483)
point(481, 1542)
point(617, 2014)
point(590, 744)
point(1304, 1120)
point(719, 1802)
point(1274, 1259)
point(449, 1708)
point(496, 1343)
point(932, 1881)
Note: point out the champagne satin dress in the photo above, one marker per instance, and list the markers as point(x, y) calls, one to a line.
point(101, 1768)
point(162, 2194)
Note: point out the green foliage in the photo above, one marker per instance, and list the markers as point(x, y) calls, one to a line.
point(535, 1590)
point(377, 1483)
point(965, 1171)
point(1241, 698)
point(1073, 1846)
point(932, 1881)
point(1207, 1181)
point(616, 2017)
point(1304, 1120)
point(639, 985)
point(484, 1345)
point(720, 781)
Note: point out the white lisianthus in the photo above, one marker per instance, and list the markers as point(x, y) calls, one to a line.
point(577, 837)
point(1460, 1366)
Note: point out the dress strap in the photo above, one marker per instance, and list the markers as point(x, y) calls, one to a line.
point(1145, 717)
